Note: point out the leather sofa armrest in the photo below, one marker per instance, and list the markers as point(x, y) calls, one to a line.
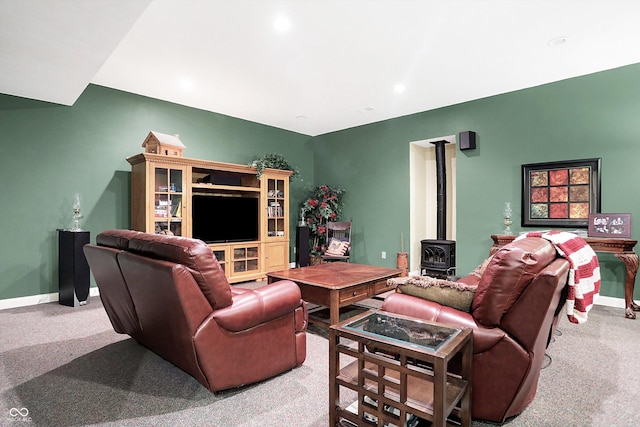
point(237, 291)
point(484, 338)
point(258, 306)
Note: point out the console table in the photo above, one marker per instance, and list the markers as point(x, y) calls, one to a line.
point(620, 248)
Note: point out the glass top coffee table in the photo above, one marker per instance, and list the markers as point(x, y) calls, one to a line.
point(399, 368)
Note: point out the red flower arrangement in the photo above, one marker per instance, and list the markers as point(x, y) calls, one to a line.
point(323, 204)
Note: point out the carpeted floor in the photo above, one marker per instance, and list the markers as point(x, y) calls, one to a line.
point(67, 367)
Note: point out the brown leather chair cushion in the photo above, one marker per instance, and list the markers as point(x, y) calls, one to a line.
point(193, 254)
point(509, 272)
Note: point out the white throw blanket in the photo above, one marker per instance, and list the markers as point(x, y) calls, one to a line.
point(584, 272)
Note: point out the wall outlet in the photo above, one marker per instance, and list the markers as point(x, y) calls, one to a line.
point(384, 255)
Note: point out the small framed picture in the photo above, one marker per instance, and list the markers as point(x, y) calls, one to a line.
point(610, 225)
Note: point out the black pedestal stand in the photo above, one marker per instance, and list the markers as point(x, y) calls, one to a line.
point(302, 246)
point(73, 270)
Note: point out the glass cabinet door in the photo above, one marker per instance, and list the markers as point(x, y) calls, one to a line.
point(275, 207)
point(245, 259)
point(168, 201)
point(221, 256)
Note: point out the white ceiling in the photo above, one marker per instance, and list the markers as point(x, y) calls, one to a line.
point(334, 68)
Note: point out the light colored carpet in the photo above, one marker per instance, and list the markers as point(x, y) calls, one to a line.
point(67, 367)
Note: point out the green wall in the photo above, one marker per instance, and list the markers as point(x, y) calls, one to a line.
point(592, 116)
point(50, 152)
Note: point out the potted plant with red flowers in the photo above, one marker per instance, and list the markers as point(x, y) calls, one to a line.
point(323, 204)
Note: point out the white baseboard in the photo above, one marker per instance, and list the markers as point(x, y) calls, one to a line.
point(609, 301)
point(53, 297)
point(37, 299)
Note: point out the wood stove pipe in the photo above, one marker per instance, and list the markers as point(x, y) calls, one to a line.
point(441, 190)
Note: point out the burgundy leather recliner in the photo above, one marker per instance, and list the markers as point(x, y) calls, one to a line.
point(170, 294)
point(514, 310)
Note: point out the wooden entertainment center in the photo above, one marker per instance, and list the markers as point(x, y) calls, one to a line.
point(162, 193)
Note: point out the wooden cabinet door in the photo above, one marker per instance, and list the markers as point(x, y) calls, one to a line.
point(276, 256)
point(167, 201)
point(245, 260)
point(275, 196)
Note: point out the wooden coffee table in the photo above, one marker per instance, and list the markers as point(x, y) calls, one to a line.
point(337, 284)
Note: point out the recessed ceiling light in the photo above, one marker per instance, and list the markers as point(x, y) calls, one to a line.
point(186, 84)
point(399, 88)
point(301, 117)
point(369, 109)
point(282, 24)
point(557, 41)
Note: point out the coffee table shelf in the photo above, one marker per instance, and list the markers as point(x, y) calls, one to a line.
point(413, 378)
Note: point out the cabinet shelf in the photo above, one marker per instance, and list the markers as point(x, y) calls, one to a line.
point(420, 386)
point(226, 188)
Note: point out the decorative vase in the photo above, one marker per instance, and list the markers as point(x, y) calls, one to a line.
point(402, 263)
point(315, 260)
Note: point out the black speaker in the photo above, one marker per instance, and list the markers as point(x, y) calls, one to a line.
point(73, 269)
point(302, 246)
point(467, 140)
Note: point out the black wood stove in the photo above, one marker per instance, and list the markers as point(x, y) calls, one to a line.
point(438, 256)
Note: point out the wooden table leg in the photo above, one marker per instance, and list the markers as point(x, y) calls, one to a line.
point(467, 374)
point(334, 367)
point(334, 307)
point(630, 260)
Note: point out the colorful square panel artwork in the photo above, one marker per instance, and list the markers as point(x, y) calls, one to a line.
point(539, 210)
point(579, 210)
point(558, 210)
point(560, 193)
point(559, 177)
point(539, 195)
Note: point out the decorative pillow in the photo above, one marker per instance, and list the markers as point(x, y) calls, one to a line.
point(453, 294)
point(337, 247)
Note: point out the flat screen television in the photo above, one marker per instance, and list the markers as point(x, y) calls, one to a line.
point(220, 219)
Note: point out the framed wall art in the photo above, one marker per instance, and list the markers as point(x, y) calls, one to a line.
point(610, 225)
point(560, 194)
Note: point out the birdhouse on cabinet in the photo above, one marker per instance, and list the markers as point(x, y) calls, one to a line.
point(163, 144)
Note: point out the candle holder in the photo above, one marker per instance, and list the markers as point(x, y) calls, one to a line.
point(302, 221)
point(507, 219)
point(77, 216)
